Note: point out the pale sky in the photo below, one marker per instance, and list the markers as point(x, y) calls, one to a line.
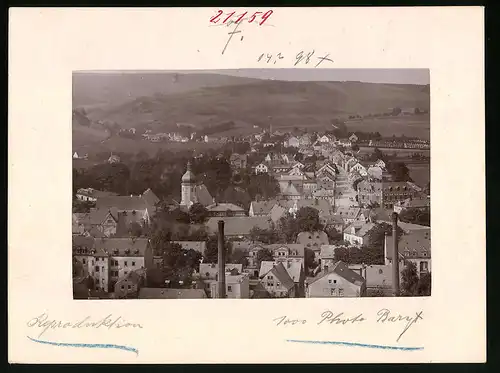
point(397, 76)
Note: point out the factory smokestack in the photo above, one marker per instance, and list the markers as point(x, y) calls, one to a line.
point(395, 255)
point(221, 282)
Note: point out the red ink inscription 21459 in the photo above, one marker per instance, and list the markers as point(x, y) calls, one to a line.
point(259, 17)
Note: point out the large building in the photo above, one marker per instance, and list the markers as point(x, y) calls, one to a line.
point(385, 193)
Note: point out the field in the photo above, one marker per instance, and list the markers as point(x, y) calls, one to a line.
point(121, 144)
point(411, 126)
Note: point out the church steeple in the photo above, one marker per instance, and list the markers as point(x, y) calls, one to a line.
point(188, 185)
point(188, 177)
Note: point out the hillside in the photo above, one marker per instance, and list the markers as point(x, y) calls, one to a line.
point(288, 103)
point(101, 89)
point(160, 101)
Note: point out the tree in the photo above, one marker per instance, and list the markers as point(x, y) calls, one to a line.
point(377, 154)
point(263, 255)
point(198, 213)
point(355, 147)
point(334, 236)
point(288, 228)
point(266, 236)
point(341, 254)
point(399, 171)
point(424, 284)
point(308, 219)
point(239, 257)
point(409, 279)
point(211, 254)
point(416, 216)
point(309, 260)
point(376, 235)
point(355, 184)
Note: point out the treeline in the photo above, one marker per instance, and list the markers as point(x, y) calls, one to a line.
point(162, 173)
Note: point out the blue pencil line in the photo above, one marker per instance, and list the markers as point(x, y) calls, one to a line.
point(353, 344)
point(87, 345)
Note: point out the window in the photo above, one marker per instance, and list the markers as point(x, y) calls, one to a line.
point(333, 291)
point(102, 280)
point(122, 287)
point(92, 261)
point(229, 288)
point(380, 271)
point(133, 264)
point(125, 273)
point(96, 268)
point(125, 263)
point(129, 287)
point(84, 261)
point(278, 284)
point(270, 284)
point(329, 281)
point(207, 274)
point(341, 292)
point(334, 281)
point(269, 277)
point(102, 268)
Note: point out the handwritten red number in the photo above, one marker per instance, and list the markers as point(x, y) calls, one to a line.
point(265, 16)
point(241, 17)
point(215, 18)
point(252, 18)
point(229, 16)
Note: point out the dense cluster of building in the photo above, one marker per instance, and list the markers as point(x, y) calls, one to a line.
point(109, 263)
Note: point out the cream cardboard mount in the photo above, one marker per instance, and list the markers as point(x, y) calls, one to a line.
point(46, 325)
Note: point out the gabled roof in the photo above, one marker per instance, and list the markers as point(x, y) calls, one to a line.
point(294, 269)
point(416, 244)
point(166, 293)
point(312, 239)
point(262, 207)
point(361, 229)
point(122, 203)
point(150, 197)
point(119, 246)
point(323, 206)
point(297, 248)
point(282, 275)
point(222, 207)
point(238, 225)
point(265, 267)
point(210, 270)
point(277, 212)
point(378, 276)
point(203, 195)
point(342, 270)
point(331, 219)
point(348, 212)
point(288, 189)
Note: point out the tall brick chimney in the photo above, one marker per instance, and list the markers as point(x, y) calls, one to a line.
point(221, 280)
point(395, 255)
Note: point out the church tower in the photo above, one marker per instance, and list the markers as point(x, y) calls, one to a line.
point(188, 185)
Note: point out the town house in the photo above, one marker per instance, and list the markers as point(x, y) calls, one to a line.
point(338, 281)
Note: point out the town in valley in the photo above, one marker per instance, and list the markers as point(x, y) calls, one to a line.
point(215, 185)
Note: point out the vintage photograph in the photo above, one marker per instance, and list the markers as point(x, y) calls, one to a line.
point(251, 184)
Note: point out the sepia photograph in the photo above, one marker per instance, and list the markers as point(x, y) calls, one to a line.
point(251, 184)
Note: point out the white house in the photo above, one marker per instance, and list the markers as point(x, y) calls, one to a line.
point(358, 167)
point(261, 168)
